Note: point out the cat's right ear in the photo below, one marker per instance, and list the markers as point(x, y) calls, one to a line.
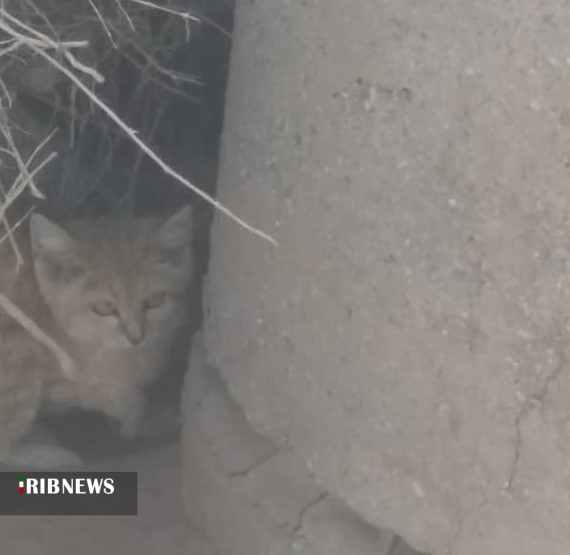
point(56, 254)
point(49, 239)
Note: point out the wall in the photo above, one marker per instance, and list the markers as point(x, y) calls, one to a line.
point(407, 338)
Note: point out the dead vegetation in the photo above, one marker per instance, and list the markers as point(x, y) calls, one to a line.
point(84, 87)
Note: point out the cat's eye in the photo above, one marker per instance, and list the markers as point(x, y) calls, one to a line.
point(155, 300)
point(104, 308)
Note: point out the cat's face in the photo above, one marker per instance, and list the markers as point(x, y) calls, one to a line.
point(115, 283)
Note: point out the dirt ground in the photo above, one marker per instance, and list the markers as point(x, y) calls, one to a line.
point(160, 526)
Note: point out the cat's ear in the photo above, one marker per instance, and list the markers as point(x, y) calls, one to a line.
point(173, 242)
point(56, 254)
point(48, 239)
point(176, 232)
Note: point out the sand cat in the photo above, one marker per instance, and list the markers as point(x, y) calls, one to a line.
point(112, 293)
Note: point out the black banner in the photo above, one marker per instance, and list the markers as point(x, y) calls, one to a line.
point(68, 493)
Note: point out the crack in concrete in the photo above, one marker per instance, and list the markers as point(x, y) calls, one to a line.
point(461, 524)
point(301, 520)
point(525, 409)
point(257, 463)
point(534, 401)
point(393, 544)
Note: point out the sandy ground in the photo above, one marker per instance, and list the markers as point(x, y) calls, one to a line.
point(158, 528)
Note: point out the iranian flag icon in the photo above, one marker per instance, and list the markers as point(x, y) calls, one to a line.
point(21, 484)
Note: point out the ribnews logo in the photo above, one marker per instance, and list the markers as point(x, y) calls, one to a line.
point(71, 486)
point(68, 493)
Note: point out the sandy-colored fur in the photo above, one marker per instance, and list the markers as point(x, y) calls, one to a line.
point(25, 365)
point(139, 267)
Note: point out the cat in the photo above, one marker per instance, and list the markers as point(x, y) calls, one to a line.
point(113, 293)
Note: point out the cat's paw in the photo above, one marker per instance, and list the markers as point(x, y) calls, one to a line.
point(128, 414)
point(129, 428)
point(43, 457)
point(160, 420)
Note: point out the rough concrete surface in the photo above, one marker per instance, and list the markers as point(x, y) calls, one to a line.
point(407, 339)
point(245, 496)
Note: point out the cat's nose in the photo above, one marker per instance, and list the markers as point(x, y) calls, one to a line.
point(134, 332)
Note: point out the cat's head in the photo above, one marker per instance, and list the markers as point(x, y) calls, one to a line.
point(115, 282)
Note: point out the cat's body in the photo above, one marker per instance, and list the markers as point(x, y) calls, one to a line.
point(113, 293)
point(25, 364)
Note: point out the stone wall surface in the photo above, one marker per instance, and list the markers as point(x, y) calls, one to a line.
point(407, 339)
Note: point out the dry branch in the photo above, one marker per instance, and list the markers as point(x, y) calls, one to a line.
point(49, 48)
point(54, 53)
point(66, 363)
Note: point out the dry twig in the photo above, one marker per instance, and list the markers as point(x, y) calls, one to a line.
point(66, 363)
point(40, 44)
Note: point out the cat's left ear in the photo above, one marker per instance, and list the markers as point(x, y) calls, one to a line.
point(176, 232)
point(173, 242)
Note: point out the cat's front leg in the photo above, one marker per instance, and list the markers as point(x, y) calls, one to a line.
point(38, 450)
point(128, 410)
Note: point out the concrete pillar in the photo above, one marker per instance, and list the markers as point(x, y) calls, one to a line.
point(407, 339)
